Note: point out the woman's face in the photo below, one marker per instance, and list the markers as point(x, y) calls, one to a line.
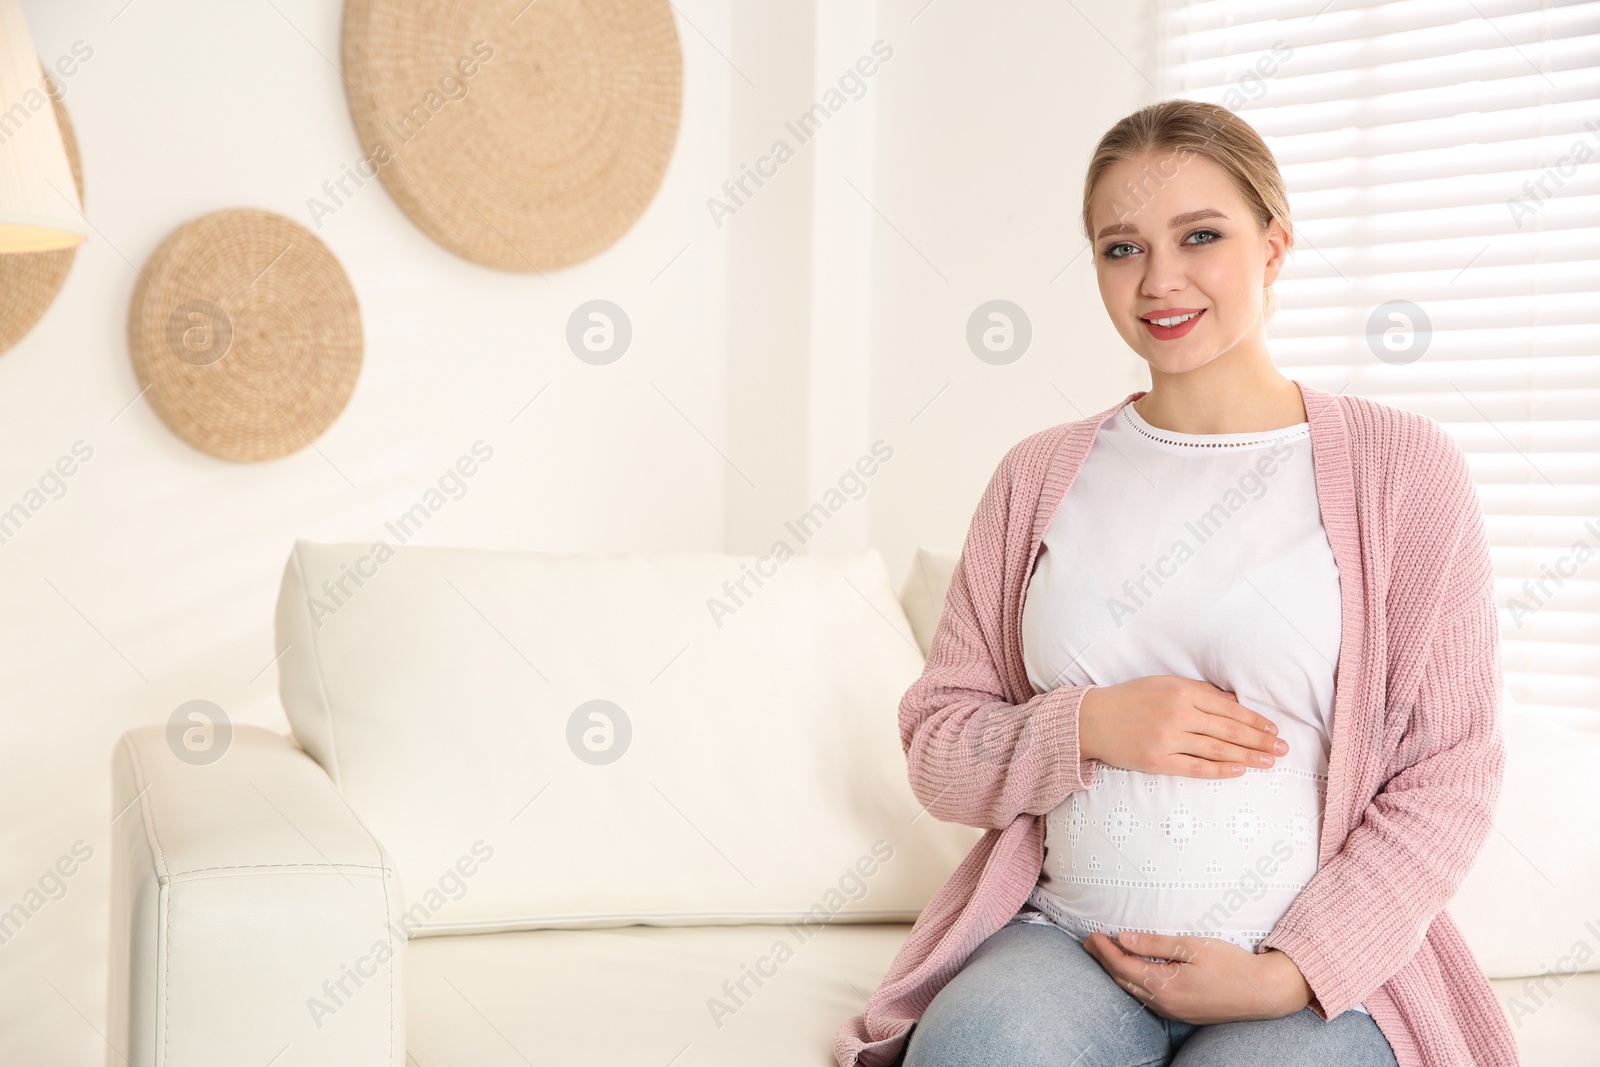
point(1184, 241)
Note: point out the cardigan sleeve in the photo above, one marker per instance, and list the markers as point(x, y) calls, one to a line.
point(1365, 913)
point(973, 756)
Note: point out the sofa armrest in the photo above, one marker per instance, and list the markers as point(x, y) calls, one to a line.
point(251, 913)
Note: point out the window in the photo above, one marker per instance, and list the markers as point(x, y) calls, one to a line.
point(1443, 166)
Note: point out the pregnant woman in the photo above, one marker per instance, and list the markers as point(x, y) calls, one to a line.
point(1218, 672)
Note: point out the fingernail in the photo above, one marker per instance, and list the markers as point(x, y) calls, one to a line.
point(1238, 768)
point(1133, 938)
point(1264, 759)
point(1280, 747)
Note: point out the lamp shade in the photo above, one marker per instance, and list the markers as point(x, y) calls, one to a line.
point(39, 207)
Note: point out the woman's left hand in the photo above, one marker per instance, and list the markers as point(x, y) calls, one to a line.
point(1202, 979)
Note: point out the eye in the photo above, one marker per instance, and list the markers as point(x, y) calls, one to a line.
point(1213, 234)
point(1111, 250)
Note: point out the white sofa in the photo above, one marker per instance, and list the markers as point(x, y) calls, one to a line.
point(643, 809)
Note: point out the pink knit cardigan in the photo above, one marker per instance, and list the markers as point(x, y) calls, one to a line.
point(1415, 765)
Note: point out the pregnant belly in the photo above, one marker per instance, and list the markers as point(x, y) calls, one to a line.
point(1175, 855)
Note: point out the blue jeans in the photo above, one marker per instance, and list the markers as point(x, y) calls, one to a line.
point(1032, 996)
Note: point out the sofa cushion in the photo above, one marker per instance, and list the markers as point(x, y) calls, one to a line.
point(557, 996)
point(553, 996)
point(922, 593)
point(1528, 906)
point(1556, 1020)
point(744, 766)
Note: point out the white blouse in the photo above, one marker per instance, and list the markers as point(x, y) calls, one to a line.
point(1201, 556)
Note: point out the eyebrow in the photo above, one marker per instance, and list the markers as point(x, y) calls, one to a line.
point(1172, 223)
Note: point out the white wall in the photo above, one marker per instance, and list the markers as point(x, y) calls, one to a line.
point(985, 125)
point(767, 357)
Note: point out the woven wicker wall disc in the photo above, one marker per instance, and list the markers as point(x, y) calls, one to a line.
point(29, 281)
point(521, 135)
point(247, 332)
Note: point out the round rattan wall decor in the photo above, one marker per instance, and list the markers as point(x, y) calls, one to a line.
point(521, 134)
point(247, 334)
point(29, 281)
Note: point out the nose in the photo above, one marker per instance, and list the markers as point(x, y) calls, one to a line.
point(1163, 274)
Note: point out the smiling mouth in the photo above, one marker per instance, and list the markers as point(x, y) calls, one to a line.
point(1183, 325)
point(1171, 321)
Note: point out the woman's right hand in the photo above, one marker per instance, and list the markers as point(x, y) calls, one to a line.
point(1164, 724)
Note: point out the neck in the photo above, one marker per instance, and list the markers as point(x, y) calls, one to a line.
point(1222, 396)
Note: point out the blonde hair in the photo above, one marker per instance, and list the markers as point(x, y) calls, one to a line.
point(1190, 128)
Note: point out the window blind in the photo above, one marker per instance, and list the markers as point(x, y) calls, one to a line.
point(1443, 168)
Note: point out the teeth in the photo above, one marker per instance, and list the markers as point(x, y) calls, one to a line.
point(1174, 321)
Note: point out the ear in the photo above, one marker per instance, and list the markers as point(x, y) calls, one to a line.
point(1280, 239)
